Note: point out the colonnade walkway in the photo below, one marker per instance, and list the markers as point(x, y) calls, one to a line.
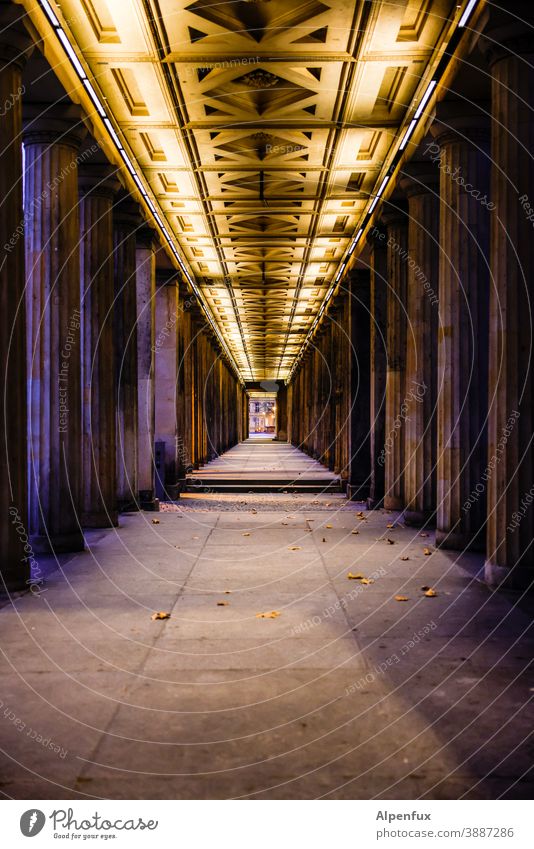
point(262, 464)
point(276, 674)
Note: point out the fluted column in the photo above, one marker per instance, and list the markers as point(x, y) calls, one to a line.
point(15, 549)
point(420, 184)
point(461, 149)
point(126, 220)
point(378, 362)
point(146, 324)
point(98, 187)
point(359, 428)
point(166, 360)
point(52, 237)
point(510, 529)
point(396, 221)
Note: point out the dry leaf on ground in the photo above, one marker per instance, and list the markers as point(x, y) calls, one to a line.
point(246, 535)
point(160, 615)
point(430, 593)
point(390, 525)
point(390, 541)
point(328, 526)
point(367, 581)
point(355, 532)
point(405, 558)
point(423, 534)
point(222, 603)
point(155, 521)
point(427, 551)
point(357, 577)
point(294, 548)
point(401, 598)
point(270, 615)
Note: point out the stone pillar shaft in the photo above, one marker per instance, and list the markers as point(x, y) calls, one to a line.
point(393, 457)
point(99, 501)
point(166, 359)
point(15, 550)
point(126, 219)
point(378, 363)
point(146, 323)
point(53, 301)
point(463, 330)
point(360, 325)
point(421, 187)
point(510, 528)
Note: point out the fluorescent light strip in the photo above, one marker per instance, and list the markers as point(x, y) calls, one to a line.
point(70, 53)
point(94, 97)
point(467, 14)
point(407, 134)
point(424, 100)
point(76, 64)
point(49, 13)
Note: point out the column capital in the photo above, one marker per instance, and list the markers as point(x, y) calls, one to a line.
point(126, 213)
point(507, 35)
point(16, 44)
point(457, 120)
point(98, 181)
point(146, 237)
point(168, 277)
point(419, 178)
point(58, 123)
point(395, 210)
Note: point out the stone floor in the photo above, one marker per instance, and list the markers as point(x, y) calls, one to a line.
point(347, 693)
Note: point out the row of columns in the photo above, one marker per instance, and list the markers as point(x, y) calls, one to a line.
point(101, 359)
point(440, 366)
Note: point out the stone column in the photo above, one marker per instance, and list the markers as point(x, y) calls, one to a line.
point(396, 221)
point(52, 235)
point(15, 549)
point(166, 359)
point(146, 323)
point(360, 369)
point(98, 187)
point(420, 184)
point(125, 221)
point(510, 529)
point(378, 268)
point(461, 146)
point(281, 412)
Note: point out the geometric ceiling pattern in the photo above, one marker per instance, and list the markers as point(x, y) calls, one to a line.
point(261, 127)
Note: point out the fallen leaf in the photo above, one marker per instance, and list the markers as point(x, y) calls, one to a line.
point(355, 532)
point(324, 539)
point(401, 598)
point(390, 525)
point(425, 589)
point(227, 592)
point(423, 534)
point(246, 535)
point(294, 548)
point(405, 558)
point(271, 615)
point(360, 514)
point(160, 615)
point(222, 603)
point(367, 581)
point(357, 577)
point(328, 526)
point(284, 523)
point(390, 541)
point(427, 551)
point(328, 504)
point(155, 521)
point(430, 593)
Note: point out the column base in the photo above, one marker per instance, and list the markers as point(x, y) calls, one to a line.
point(147, 500)
point(129, 506)
point(172, 491)
point(357, 492)
point(13, 583)
point(60, 544)
point(375, 503)
point(460, 541)
point(417, 518)
point(100, 520)
point(391, 502)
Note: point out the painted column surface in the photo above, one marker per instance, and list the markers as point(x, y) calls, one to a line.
point(15, 549)
point(52, 237)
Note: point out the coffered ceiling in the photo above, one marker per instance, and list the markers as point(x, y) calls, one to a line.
point(261, 127)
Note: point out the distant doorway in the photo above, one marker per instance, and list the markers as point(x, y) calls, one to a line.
point(262, 415)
